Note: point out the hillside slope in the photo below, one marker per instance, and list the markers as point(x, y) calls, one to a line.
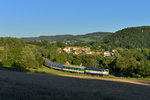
point(83, 38)
point(134, 37)
point(31, 86)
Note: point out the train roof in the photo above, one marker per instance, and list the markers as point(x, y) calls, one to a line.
point(75, 66)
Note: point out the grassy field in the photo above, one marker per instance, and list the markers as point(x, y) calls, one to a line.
point(58, 72)
point(49, 84)
point(1, 48)
point(32, 86)
point(46, 70)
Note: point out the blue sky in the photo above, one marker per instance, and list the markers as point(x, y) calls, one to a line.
point(25, 18)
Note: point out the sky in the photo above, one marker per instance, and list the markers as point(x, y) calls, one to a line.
point(31, 18)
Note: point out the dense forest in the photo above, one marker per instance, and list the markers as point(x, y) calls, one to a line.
point(132, 56)
point(71, 38)
point(16, 53)
point(130, 38)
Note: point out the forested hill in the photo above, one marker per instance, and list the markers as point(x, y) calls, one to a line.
point(133, 37)
point(83, 38)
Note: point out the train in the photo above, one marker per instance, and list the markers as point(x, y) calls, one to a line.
point(76, 68)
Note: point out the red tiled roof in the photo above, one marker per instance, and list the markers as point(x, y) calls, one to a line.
point(97, 52)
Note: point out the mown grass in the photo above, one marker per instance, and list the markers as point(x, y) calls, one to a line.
point(24, 86)
point(14, 69)
point(54, 71)
point(31, 86)
point(1, 48)
point(46, 70)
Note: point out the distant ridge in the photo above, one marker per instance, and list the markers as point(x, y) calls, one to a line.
point(83, 38)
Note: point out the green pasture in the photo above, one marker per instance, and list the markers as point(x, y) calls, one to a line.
point(59, 72)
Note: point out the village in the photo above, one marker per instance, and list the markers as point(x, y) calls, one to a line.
point(85, 50)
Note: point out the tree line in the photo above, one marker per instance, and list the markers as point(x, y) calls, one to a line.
point(16, 53)
point(126, 62)
point(132, 58)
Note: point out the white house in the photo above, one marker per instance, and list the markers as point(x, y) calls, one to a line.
point(107, 53)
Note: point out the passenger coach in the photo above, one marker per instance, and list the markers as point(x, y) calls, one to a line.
point(54, 65)
point(76, 68)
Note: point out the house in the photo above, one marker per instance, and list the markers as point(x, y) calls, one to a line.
point(98, 53)
point(69, 49)
point(67, 62)
point(77, 52)
point(85, 49)
point(74, 48)
point(107, 53)
point(89, 52)
point(92, 52)
point(114, 50)
point(59, 50)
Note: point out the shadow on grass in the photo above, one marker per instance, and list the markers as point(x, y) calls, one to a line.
point(1, 64)
point(40, 72)
point(20, 69)
point(53, 87)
